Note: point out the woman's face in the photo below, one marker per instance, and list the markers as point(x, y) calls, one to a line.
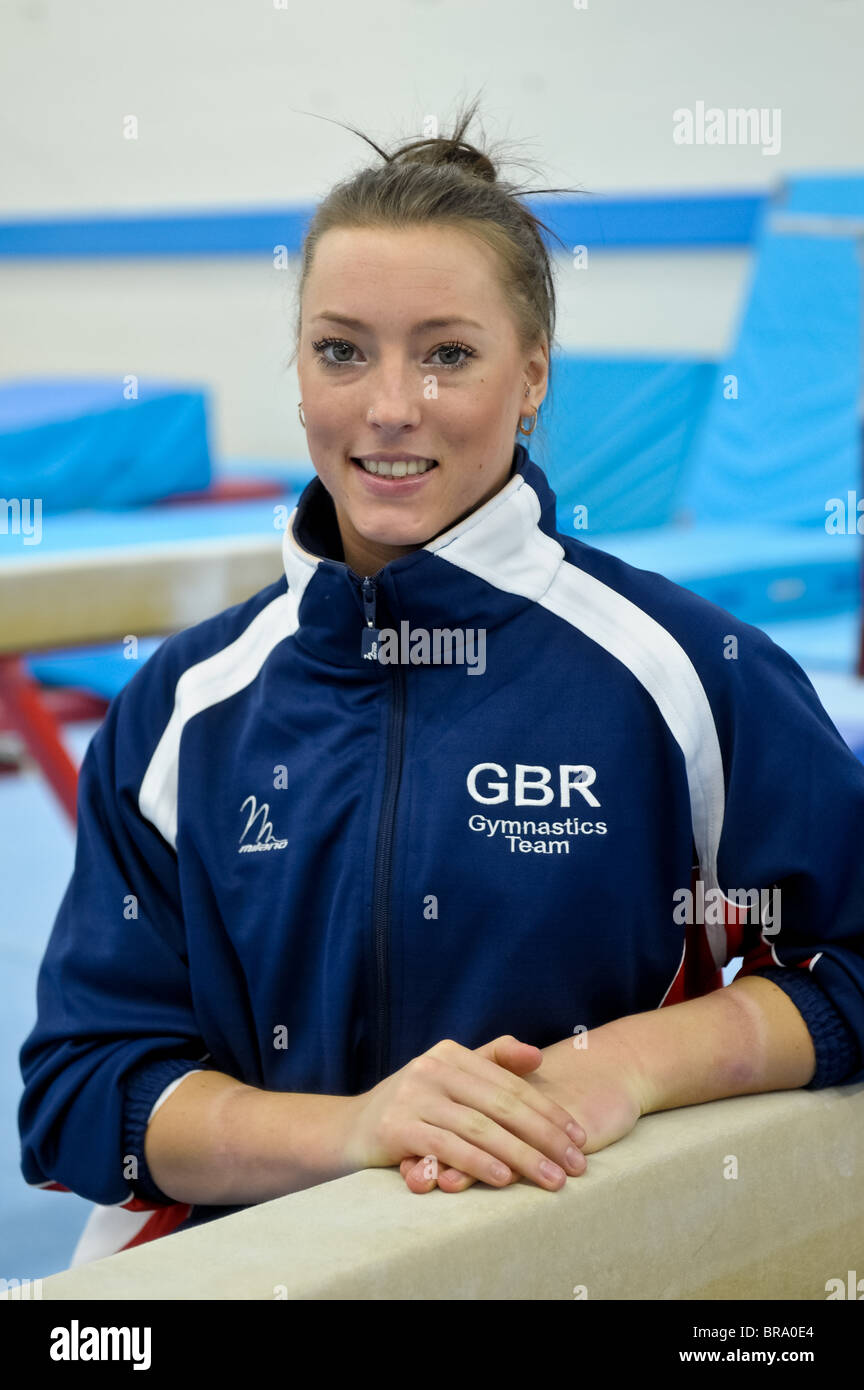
point(376, 377)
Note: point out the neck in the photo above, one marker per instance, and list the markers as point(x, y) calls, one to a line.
point(367, 557)
point(364, 556)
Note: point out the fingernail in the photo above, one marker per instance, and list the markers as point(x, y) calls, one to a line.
point(551, 1170)
point(576, 1132)
point(574, 1157)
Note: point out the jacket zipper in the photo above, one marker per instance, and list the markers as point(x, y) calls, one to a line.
point(382, 880)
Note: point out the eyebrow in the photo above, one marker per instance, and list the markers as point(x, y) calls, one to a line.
point(418, 327)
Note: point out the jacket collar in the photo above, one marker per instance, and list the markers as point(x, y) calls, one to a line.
point(455, 580)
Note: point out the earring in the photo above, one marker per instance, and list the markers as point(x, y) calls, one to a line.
point(521, 430)
point(300, 413)
point(523, 417)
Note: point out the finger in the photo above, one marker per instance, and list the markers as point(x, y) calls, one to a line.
point(513, 1105)
point(452, 1151)
point(421, 1170)
point(419, 1166)
point(509, 1050)
point(420, 1174)
point(416, 1175)
point(451, 1180)
point(415, 1181)
point(448, 1179)
point(527, 1144)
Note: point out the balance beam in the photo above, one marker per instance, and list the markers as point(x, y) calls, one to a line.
point(752, 1197)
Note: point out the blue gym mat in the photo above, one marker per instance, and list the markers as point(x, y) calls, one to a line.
point(761, 574)
point(82, 443)
point(150, 526)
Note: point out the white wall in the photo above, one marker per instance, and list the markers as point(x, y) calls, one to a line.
point(219, 86)
point(591, 92)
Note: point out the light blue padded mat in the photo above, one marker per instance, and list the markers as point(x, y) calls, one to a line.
point(760, 573)
point(79, 442)
point(149, 526)
point(618, 433)
point(783, 432)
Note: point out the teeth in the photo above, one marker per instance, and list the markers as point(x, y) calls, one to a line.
point(398, 468)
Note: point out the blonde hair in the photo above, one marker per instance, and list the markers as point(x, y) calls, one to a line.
point(447, 181)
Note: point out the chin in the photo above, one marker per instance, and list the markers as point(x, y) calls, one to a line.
point(416, 536)
point(392, 530)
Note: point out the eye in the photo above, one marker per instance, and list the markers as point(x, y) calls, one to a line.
point(332, 342)
point(456, 347)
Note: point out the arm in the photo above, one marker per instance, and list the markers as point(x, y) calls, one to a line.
point(745, 1038)
point(114, 995)
point(794, 1014)
point(217, 1141)
point(250, 1145)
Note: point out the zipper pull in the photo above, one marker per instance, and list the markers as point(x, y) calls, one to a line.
point(369, 643)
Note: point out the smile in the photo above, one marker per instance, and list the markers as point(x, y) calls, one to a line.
point(396, 468)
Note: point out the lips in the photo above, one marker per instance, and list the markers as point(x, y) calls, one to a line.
point(377, 485)
point(396, 470)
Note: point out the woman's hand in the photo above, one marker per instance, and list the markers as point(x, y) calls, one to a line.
point(602, 1085)
point(471, 1110)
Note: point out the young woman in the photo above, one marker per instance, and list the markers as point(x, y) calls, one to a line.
point(396, 863)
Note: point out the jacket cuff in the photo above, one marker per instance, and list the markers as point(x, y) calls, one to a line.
point(838, 1054)
point(143, 1087)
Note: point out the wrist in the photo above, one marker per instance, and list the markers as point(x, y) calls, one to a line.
point(614, 1042)
point(315, 1137)
point(346, 1135)
point(278, 1142)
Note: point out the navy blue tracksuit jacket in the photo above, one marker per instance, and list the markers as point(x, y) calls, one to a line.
point(303, 859)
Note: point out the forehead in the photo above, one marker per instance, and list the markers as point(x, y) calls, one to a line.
point(409, 268)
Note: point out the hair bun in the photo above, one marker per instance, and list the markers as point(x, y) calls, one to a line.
point(469, 158)
point(454, 152)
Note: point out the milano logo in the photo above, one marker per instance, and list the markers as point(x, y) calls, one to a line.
point(264, 838)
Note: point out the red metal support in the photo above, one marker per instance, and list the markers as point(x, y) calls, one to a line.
point(23, 710)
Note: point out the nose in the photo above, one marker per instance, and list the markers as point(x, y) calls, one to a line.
point(394, 399)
